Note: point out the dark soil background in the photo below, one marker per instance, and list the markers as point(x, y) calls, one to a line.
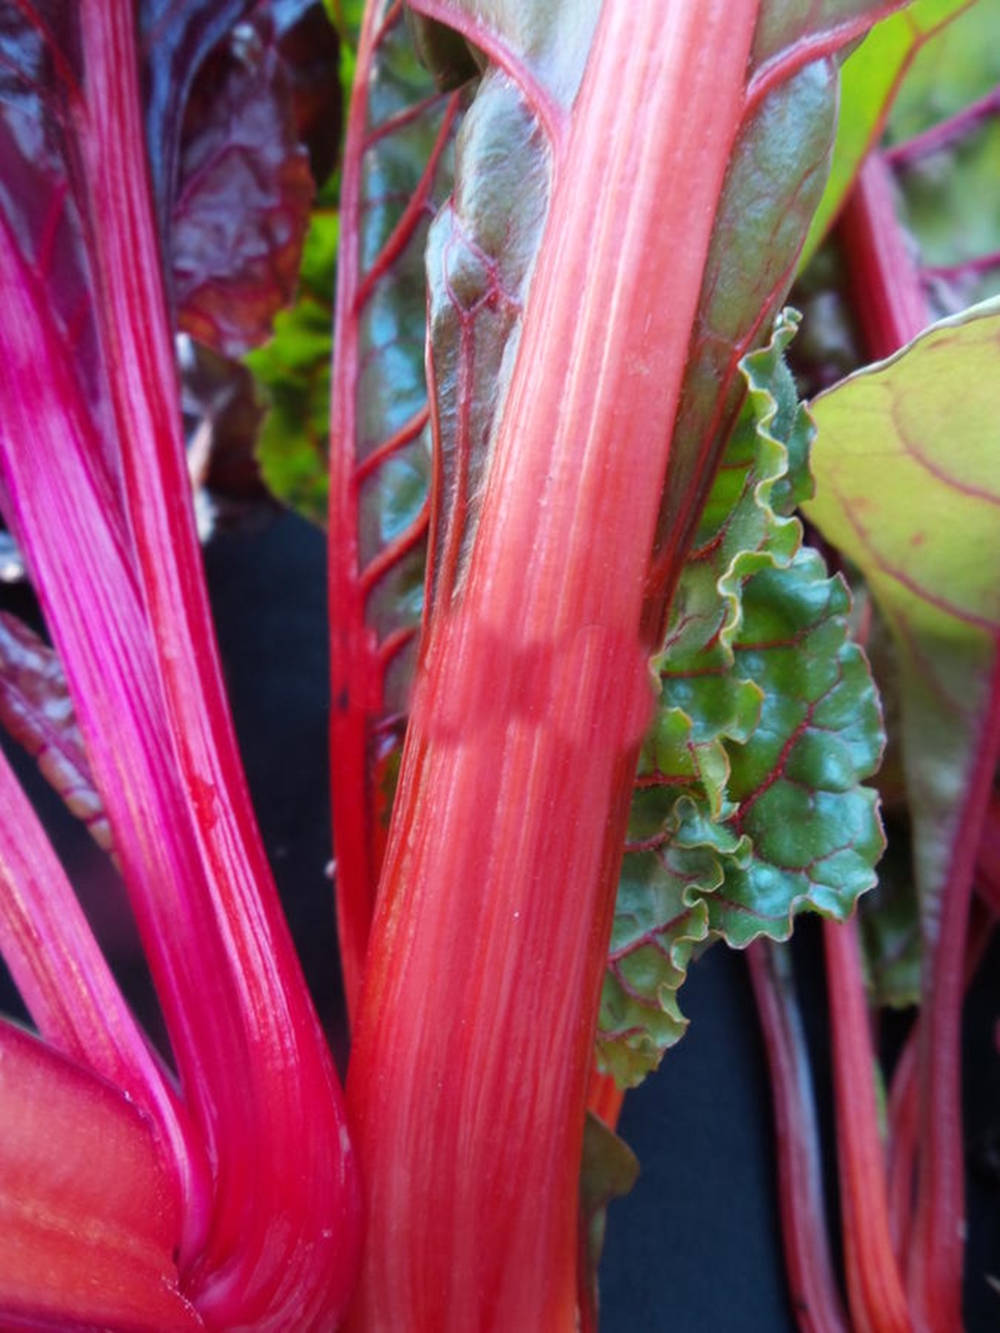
point(695, 1248)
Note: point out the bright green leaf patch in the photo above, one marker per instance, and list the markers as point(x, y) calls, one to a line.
point(748, 806)
point(294, 371)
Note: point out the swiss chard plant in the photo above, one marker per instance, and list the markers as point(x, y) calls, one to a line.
point(600, 695)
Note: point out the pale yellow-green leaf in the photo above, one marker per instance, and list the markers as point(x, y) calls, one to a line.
point(907, 469)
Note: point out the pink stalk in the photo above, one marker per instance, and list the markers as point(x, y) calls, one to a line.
point(125, 601)
point(815, 1298)
point(283, 1237)
point(63, 507)
point(58, 967)
point(904, 1100)
point(936, 1249)
point(500, 877)
point(874, 1284)
point(65, 514)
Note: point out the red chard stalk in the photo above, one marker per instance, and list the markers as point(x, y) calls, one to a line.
point(584, 347)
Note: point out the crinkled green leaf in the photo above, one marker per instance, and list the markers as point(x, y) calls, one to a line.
point(747, 807)
point(907, 466)
point(869, 80)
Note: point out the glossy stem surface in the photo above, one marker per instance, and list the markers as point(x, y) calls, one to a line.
point(473, 1045)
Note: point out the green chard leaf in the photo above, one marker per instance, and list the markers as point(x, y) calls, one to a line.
point(396, 174)
point(907, 465)
point(747, 806)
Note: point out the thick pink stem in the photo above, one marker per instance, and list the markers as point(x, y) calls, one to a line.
point(469, 1074)
point(88, 1216)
